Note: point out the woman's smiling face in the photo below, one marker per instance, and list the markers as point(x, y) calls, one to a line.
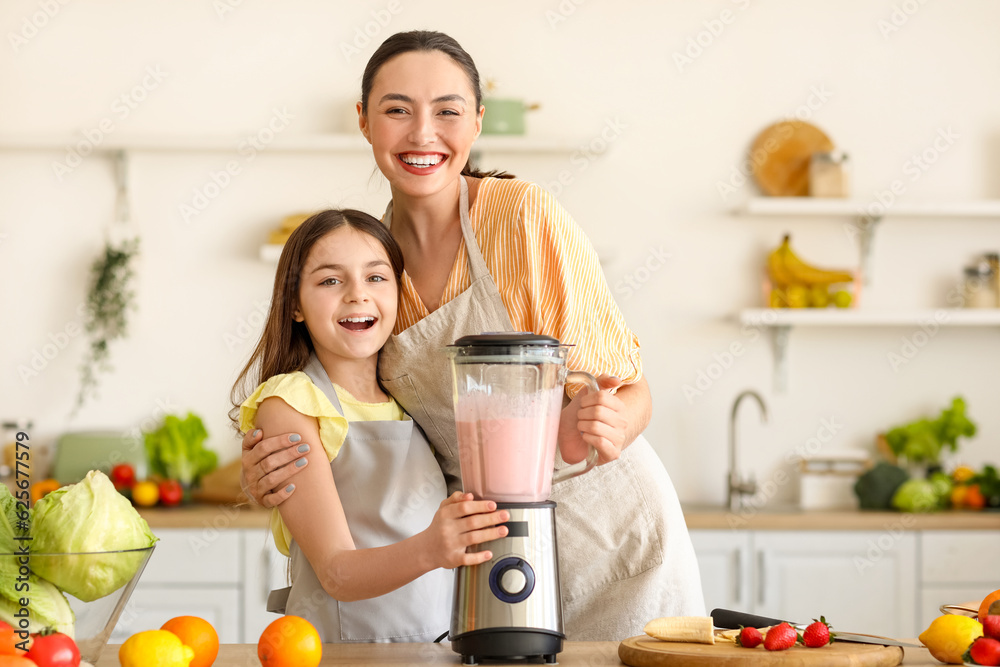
point(421, 122)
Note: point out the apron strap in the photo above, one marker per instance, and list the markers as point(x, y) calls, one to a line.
point(314, 369)
point(477, 265)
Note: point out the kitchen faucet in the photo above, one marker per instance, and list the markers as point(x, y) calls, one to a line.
point(737, 487)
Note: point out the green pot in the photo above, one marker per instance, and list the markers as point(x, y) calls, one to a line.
point(505, 116)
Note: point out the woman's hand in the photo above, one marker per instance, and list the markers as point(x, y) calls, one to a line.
point(461, 522)
point(599, 419)
point(267, 465)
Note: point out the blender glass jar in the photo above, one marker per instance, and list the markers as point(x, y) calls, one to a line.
point(508, 393)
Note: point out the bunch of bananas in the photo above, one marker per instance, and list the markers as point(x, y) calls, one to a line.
point(796, 284)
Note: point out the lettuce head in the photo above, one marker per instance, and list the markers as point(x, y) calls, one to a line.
point(47, 607)
point(84, 518)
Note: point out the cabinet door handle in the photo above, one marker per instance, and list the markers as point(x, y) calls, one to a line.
point(738, 579)
point(761, 579)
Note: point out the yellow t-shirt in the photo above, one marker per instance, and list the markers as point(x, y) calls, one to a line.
point(548, 276)
point(299, 392)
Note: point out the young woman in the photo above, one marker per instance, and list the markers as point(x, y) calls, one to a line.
point(496, 254)
point(369, 529)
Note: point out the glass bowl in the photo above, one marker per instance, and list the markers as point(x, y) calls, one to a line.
point(104, 579)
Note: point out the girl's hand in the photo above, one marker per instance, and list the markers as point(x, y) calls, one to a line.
point(595, 418)
point(461, 522)
point(267, 465)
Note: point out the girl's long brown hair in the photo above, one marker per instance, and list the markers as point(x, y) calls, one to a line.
point(284, 345)
point(427, 40)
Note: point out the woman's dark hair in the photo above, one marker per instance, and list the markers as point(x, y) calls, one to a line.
point(285, 345)
point(426, 40)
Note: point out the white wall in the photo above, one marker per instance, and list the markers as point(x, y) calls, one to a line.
point(681, 130)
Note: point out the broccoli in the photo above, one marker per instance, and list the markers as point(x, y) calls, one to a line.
point(876, 487)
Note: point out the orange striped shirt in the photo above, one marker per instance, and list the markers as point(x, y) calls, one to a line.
point(548, 275)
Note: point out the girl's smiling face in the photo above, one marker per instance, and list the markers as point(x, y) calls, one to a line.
point(347, 296)
point(421, 121)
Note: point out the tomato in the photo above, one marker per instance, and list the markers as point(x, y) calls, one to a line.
point(145, 493)
point(171, 492)
point(53, 649)
point(123, 476)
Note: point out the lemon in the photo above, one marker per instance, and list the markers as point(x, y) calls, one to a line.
point(155, 648)
point(145, 493)
point(949, 636)
point(962, 474)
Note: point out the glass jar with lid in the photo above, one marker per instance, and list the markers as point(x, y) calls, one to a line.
point(979, 287)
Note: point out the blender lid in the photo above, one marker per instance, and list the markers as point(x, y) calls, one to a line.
point(507, 348)
point(506, 339)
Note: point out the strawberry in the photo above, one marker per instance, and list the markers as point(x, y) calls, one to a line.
point(749, 638)
point(817, 633)
point(991, 626)
point(984, 651)
point(780, 637)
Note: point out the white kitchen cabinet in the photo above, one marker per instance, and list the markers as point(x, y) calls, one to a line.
point(724, 558)
point(863, 581)
point(194, 555)
point(192, 572)
point(220, 574)
point(153, 605)
point(956, 566)
point(265, 569)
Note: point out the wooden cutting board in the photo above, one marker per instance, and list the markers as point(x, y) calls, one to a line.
point(780, 156)
point(644, 651)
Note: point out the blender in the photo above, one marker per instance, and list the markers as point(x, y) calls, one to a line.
point(508, 394)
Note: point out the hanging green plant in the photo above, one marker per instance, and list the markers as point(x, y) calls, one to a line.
point(109, 301)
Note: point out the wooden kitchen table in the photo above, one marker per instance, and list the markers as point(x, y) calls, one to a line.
point(579, 654)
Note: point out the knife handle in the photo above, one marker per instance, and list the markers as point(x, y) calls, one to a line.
point(725, 618)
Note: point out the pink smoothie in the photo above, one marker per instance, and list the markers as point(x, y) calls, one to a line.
point(508, 460)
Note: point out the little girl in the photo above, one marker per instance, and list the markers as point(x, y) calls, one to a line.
point(370, 531)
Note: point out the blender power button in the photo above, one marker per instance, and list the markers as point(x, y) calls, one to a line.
point(512, 580)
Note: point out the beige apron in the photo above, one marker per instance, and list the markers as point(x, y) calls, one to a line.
point(390, 488)
point(625, 556)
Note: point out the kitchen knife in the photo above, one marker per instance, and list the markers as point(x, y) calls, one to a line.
point(724, 618)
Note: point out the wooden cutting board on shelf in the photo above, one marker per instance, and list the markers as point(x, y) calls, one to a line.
point(644, 651)
point(781, 154)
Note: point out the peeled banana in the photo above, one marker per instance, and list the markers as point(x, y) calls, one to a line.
point(691, 629)
point(786, 268)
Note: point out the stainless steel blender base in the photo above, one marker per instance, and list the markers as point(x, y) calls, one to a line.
point(499, 644)
point(510, 606)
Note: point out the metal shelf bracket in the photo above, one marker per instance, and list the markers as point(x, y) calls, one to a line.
point(779, 342)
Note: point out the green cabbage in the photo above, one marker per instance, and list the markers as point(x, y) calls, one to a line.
point(916, 495)
point(90, 516)
point(46, 605)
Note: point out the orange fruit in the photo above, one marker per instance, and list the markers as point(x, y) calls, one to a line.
point(984, 608)
point(199, 635)
point(15, 661)
point(9, 640)
point(290, 641)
